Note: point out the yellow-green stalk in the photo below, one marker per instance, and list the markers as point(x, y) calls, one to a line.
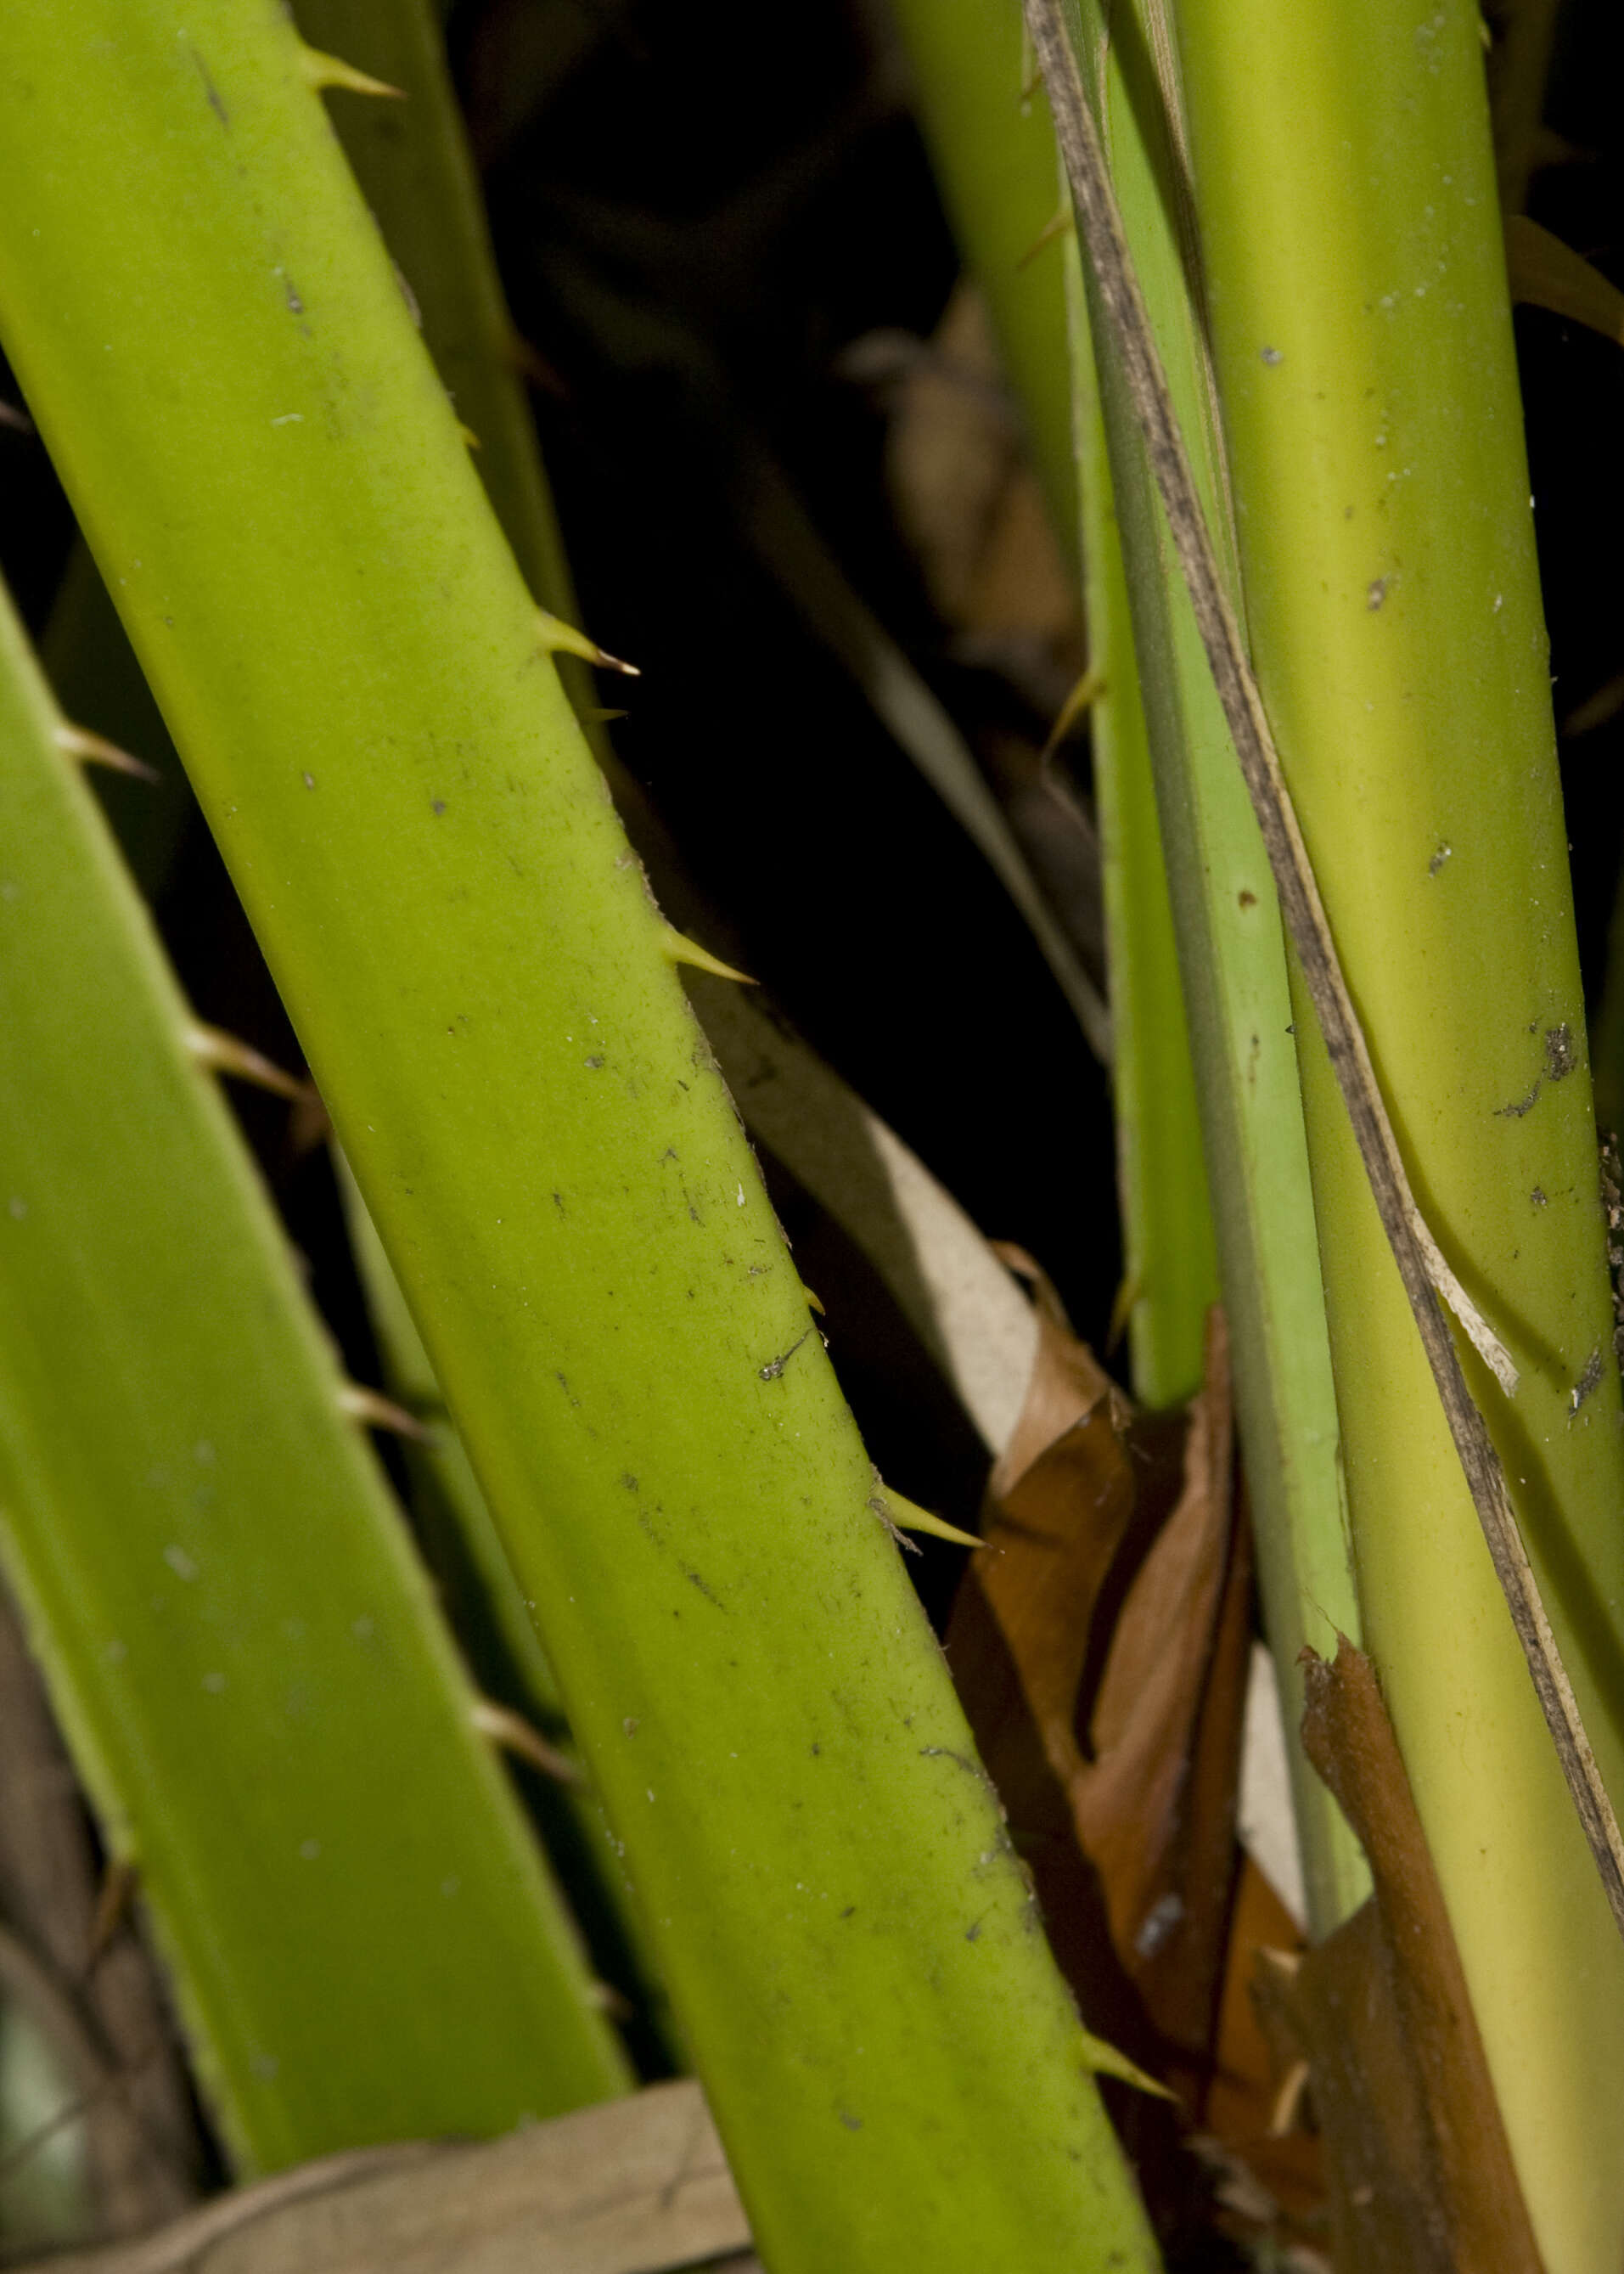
point(261, 1699)
point(1350, 230)
point(1192, 829)
point(993, 150)
point(224, 366)
point(1231, 949)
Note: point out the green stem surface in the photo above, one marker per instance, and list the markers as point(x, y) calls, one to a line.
point(992, 150)
point(259, 1691)
point(994, 154)
point(1168, 1235)
point(1351, 235)
point(1231, 953)
point(226, 371)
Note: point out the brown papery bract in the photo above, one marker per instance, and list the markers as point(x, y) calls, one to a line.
point(1420, 2174)
point(1101, 1653)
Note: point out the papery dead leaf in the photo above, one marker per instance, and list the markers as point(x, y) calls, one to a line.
point(1156, 1806)
point(1254, 2110)
point(1102, 1654)
point(86, 1981)
point(636, 2186)
point(1420, 2174)
point(968, 501)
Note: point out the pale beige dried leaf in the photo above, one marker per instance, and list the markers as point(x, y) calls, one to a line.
point(638, 2186)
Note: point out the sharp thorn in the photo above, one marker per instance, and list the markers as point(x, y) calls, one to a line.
point(309, 1124)
point(609, 2000)
point(525, 357)
point(593, 714)
point(1128, 1293)
point(323, 71)
point(910, 1547)
point(899, 1515)
point(1605, 703)
point(1060, 224)
point(1289, 2100)
point(222, 1053)
point(377, 1412)
point(1082, 698)
point(560, 638)
point(680, 949)
point(96, 750)
point(1105, 2061)
point(813, 1300)
point(469, 436)
point(516, 1735)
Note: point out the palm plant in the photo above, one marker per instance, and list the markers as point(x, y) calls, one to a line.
point(572, 1259)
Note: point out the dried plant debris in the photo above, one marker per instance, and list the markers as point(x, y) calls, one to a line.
point(1102, 1655)
point(638, 2186)
point(80, 1969)
point(966, 499)
point(1259, 2138)
point(1418, 2169)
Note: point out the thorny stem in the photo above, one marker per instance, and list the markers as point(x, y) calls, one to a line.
point(1421, 1265)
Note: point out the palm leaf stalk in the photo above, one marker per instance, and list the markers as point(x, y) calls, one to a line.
point(1370, 409)
point(409, 151)
point(1184, 833)
point(226, 371)
point(1231, 945)
point(238, 1639)
point(994, 156)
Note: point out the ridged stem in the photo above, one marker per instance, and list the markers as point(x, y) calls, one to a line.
point(226, 371)
point(1231, 952)
point(994, 156)
point(1350, 230)
point(239, 1641)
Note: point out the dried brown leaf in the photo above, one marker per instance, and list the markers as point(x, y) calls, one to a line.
point(1101, 1655)
point(635, 2187)
point(967, 500)
point(1156, 1805)
point(1066, 1378)
point(1420, 2174)
point(92, 1988)
point(1255, 2111)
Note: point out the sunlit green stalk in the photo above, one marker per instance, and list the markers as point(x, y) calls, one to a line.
point(1231, 953)
point(226, 371)
point(238, 1639)
point(998, 169)
point(480, 1597)
point(1167, 1237)
point(1352, 234)
point(412, 161)
point(994, 156)
point(987, 133)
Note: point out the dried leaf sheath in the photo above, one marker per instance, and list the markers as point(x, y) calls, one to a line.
point(1422, 2180)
